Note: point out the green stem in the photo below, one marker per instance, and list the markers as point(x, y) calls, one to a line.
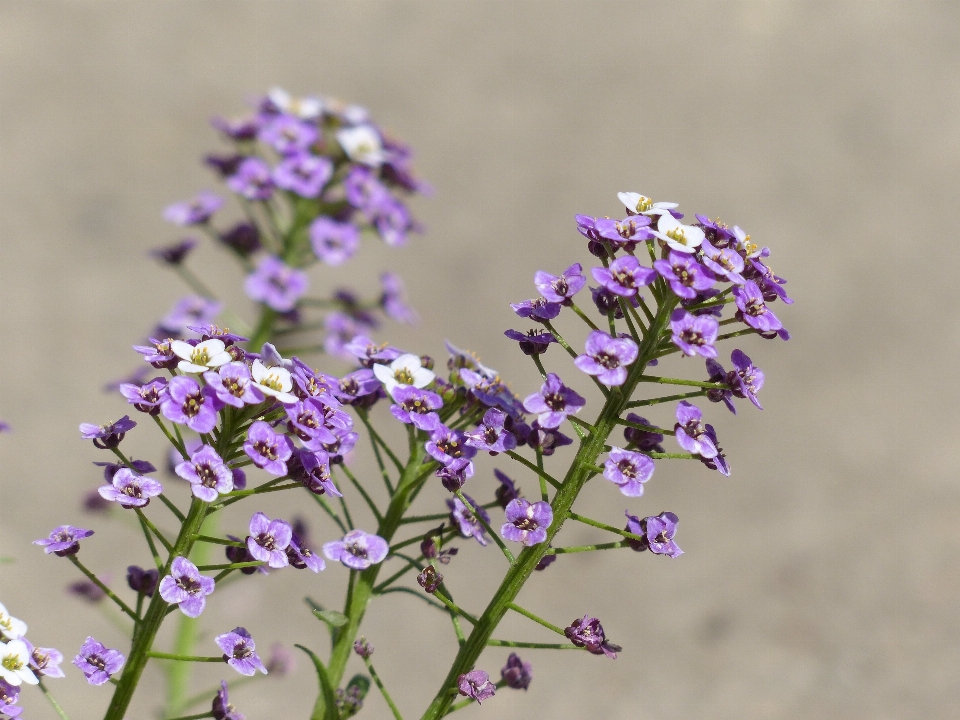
point(542, 646)
point(52, 700)
point(411, 591)
point(194, 717)
point(264, 329)
point(669, 398)
point(109, 593)
point(232, 566)
point(184, 658)
point(536, 618)
point(147, 525)
point(588, 548)
point(376, 437)
point(383, 690)
point(603, 526)
point(679, 381)
point(540, 473)
point(583, 317)
point(356, 483)
point(452, 606)
point(191, 279)
point(486, 526)
point(647, 428)
point(153, 548)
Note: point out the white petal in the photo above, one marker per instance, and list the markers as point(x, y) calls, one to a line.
point(26, 674)
point(279, 97)
point(422, 377)
point(407, 361)
point(281, 376)
point(186, 366)
point(629, 200)
point(258, 371)
point(10, 676)
point(182, 349)
point(666, 205)
point(220, 359)
point(212, 347)
point(383, 373)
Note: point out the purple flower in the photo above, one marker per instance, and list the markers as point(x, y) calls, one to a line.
point(237, 128)
point(644, 439)
point(476, 684)
point(717, 374)
point(222, 708)
point(587, 632)
point(694, 334)
point(560, 289)
point(538, 309)
point(691, 434)
point(725, 263)
point(303, 174)
point(685, 275)
point(194, 212)
point(174, 254)
point(315, 422)
point(369, 353)
point(507, 491)
point(288, 135)
point(9, 694)
point(252, 180)
point(516, 673)
point(535, 342)
point(429, 579)
point(107, 436)
point(455, 474)
point(147, 397)
point(719, 461)
point(393, 222)
point(142, 582)
point(629, 470)
point(130, 489)
point(268, 449)
point(312, 469)
point(301, 557)
point(657, 532)
point(98, 662)
point(364, 191)
point(276, 284)
point(45, 661)
point(239, 651)
point(545, 439)
point(466, 518)
point(240, 554)
point(186, 587)
point(243, 238)
point(187, 404)
point(416, 406)
point(357, 550)
point(207, 473)
point(754, 311)
point(747, 379)
point(233, 385)
point(553, 403)
point(606, 357)
point(448, 446)
point(268, 540)
point(630, 230)
point(190, 310)
point(527, 522)
point(64, 540)
point(333, 242)
point(87, 590)
point(491, 435)
point(716, 232)
point(392, 300)
point(624, 276)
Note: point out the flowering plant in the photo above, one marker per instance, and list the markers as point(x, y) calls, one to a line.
point(312, 176)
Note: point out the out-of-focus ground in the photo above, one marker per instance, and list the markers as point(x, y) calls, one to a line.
point(819, 581)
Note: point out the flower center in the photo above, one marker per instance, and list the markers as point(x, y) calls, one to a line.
point(189, 585)
point(241, 651)
point(678, 235)
point(403, 376)
point(266, 541)
point(98, 662)
point(526, 523)
point(308, 419)
point(234, 387)
point(755, 307)
point(627, 468)
point(272, 381)
point(208, 478)
point(192, 404)
point(132, 490)
point(200, 356)
point(692, 337)
point(607, 360)
point(12, 662)
point(268, 450)
point(561, 286)
point(356, 550)
point(624, 278)
point(644, 204)
point(555, 401)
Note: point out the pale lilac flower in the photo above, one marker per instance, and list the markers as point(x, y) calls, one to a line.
point(624, 276)
point(476, 684)
point(364, 191)
point(275, 381)
point(560, 289)
point(252, 180)
point(516, 673)
point(405, 370)
point(690, 432)
point(268, 540)
point(276, 284)
point(747, 379)
point(12, 628)
point(448, 446)
point(146, 397)
point(392, 300)
point(207, 474)
point(491, 435)
point(63, 541)
point(626, 232)
point(190, 310)
point(393, 221)
point(357, 550)
point(222, 708)
point(45, 662)
point(107, 436)
point(9, 694)
point(527, 522)
point(466, 518)
point(753, 309)
point(130, 489)
point(194, 212)
point(362, 144)
point(306, 108)
point(607, 357)
point(417, 407)
point(554, 402)
point(200, 357)
point(694, 334)
point(686, 276)
point(724, 263)
point(268, 449)
point(628, 470)
point(333, 242)
point(15, 663)
point(189, 404)
point(233, 385)
point(717, 374)
point(186, 587)
point(587, 632)
point(538, 309)
point(301, 557)
point(98, 662)
point(680, 237)
point(534, 342)
point(239, 651)
point(657, 532)
point(288, 135)
point(312, 469)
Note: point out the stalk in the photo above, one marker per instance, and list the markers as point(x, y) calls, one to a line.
point(578, 474)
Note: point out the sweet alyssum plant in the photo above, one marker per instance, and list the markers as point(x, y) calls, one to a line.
point(247, 415)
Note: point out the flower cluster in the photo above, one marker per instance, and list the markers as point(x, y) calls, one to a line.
point(21, 662)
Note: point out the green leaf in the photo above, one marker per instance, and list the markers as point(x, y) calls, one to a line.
point(326, 706)
point(362, 682)
point(332, 618)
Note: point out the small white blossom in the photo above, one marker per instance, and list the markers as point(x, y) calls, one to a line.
point(275, 381)
point(751, 250)
point(642, 205)
point(10, 627)
point(680, 237)
point(15, 663)
point(200, 358)
point(306, 108)
point(362, 144)
point(405, 370)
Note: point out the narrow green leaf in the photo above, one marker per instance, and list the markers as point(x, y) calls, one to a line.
point(326, 706)
point(333, 618)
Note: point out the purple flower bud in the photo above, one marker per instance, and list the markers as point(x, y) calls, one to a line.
point(587, 632)
point(142, 581)
point(516, 673)
point(88, 590)
point(535, 342)
point(362, 648)
point(507, 491)
point(222, 708)
point(644, 440)
point(175, 254)
point(243, 238)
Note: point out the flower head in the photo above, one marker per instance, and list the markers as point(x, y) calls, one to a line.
point(276, 284)
point(559, 289)
point(690, 432)
point(624, 276)
point(15, 663)
point(268, 449)
point(538, 309)
point(194, 212)
point(694, 334)
point(358, 550)
point(239, 651)
point(313, 470)
point(416, 407)
point(642, 205)
point(188, 404)
point(629, 470)
point(12, 628)
point(747, 379)
point(98, 662)
point(527, 522)
point(9, 694)
point(186, 587)
point(491, 435)
point(45, 661)
point(303, 174)
point(626, 232)
point(405, 370)
point(107, 436)
point(553, 403)
point(753, 309)
point(63, 541)
point(301, 557)
point(587, 632)
point(362, 144)
point(268, 540)
point(222, 708)
point(607, 357)
point(207, 473)
point(202, 356)
point(130, 489)
point(333, 242)
point(233, 385)
point(657, 532)
point(476, 684)
point(686, 276)
point(466, 518)
point(252, 180)
point(680, 237)
point(516, 673)
point(275, 381)
point(146, 397)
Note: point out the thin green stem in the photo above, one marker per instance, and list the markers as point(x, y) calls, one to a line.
point(191, 279)
point(536, 618)
point(680, 381)
point(526, 463)
point(383, 691)
point(646, 428)
point(587, 548)
point(604, 526)
point(376, 438)
point(153, 548)
point(356, 483)
point(496, 538)
point(452, 606)
point(231, 566)
point(195, 717)
point(669, 398)
point(171, 507)
point(541, 646)
point(52, 700)
point(107, 591)
point(219, 541)
point(184, 658)
point(322, 502)
point(145, 522)
point(583, 316)
point(411, 591)
point(346, 512)
point(540, 475)
point(673, 456)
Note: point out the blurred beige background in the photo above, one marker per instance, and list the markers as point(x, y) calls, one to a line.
point(820, 581)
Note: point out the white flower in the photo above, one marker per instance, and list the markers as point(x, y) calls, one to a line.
point(680, 237)
point(641, 204)
point(10, 627)
point(275, 381)
point(362, 144)
point(306, 108)
point(15, 663)
point(200, 358)
point(751, 250)
point(405, 370)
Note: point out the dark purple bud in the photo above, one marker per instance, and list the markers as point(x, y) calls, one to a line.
point(362, 648)
point(516, 673)
point(87, 590)
point(430, 579)
point(176, 253)
point(240, 554)
point(243, 238)
point(507, 491)
point(142, 581)
point(546, 561)
point(427, 362)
